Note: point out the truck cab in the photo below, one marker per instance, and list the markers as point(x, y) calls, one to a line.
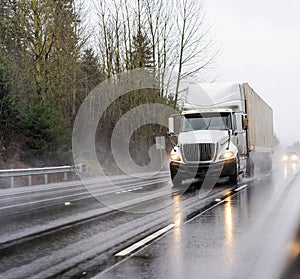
point(208, 138)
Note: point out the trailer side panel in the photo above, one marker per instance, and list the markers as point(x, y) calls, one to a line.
point(260, 122)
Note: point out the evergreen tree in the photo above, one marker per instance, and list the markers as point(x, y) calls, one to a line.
point(142, 51)
point(8, 107)
point(88, 75)
point(47, 136)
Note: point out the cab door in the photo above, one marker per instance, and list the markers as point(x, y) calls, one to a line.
point(239, 135)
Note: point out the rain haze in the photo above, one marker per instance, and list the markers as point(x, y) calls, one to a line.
point(92, 182)
point(260, 42)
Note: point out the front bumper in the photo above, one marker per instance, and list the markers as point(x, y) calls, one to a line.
point(221, 169)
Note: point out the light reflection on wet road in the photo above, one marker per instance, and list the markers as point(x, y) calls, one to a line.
point(240, 238)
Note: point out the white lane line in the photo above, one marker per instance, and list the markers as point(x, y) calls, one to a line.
point(218, 200)
point(240, 188)
point(68, 185)
point(129, 190)
point(121, 192)
point(144, 241)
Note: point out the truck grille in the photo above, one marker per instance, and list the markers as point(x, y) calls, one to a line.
point(197, 152)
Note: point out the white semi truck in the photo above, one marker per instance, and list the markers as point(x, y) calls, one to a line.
point(223, 127)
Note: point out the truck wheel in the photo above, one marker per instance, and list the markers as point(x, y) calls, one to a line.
point(176, 177)
point(249, 167)
point(233, 179)
point(177, 181)
point(267, 165)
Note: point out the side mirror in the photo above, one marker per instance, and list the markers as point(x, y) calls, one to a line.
point(170, 134)
point(171, 126)
point(245, 121)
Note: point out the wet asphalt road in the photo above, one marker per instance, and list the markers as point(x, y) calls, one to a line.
point(249, 235)
point(58, 230)
point(236, 237)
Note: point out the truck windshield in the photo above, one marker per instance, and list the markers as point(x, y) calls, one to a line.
point(206, 121)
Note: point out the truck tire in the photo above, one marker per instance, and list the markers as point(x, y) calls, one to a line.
point(175, 177)
point(177, 181)
point(233, 179)
point(267, 164)
point(249, 167)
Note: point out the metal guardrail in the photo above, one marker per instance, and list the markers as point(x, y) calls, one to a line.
point(12, 173)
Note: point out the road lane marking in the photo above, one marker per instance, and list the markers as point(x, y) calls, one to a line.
point(68, 185)
point(144, 241)
point(129, 190)
point(155, 235)
point(241, 188)
point(82, 195)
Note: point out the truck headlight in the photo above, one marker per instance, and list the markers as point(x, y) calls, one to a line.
point(227, 155)
point(175, 157)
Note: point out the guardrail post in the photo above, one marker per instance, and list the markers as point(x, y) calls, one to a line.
point(12, 182)
point(65, 176)
point(82, 168)
point(29, 180)
point(46, 178)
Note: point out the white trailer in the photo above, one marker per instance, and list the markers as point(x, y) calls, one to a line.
point(227, 127)
point(260, 114)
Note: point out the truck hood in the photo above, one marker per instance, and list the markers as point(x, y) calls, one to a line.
point(203, 136)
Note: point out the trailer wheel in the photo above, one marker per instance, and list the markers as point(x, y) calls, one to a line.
point(266, 166)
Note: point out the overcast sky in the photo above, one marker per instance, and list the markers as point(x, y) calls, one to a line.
point(260, 44)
